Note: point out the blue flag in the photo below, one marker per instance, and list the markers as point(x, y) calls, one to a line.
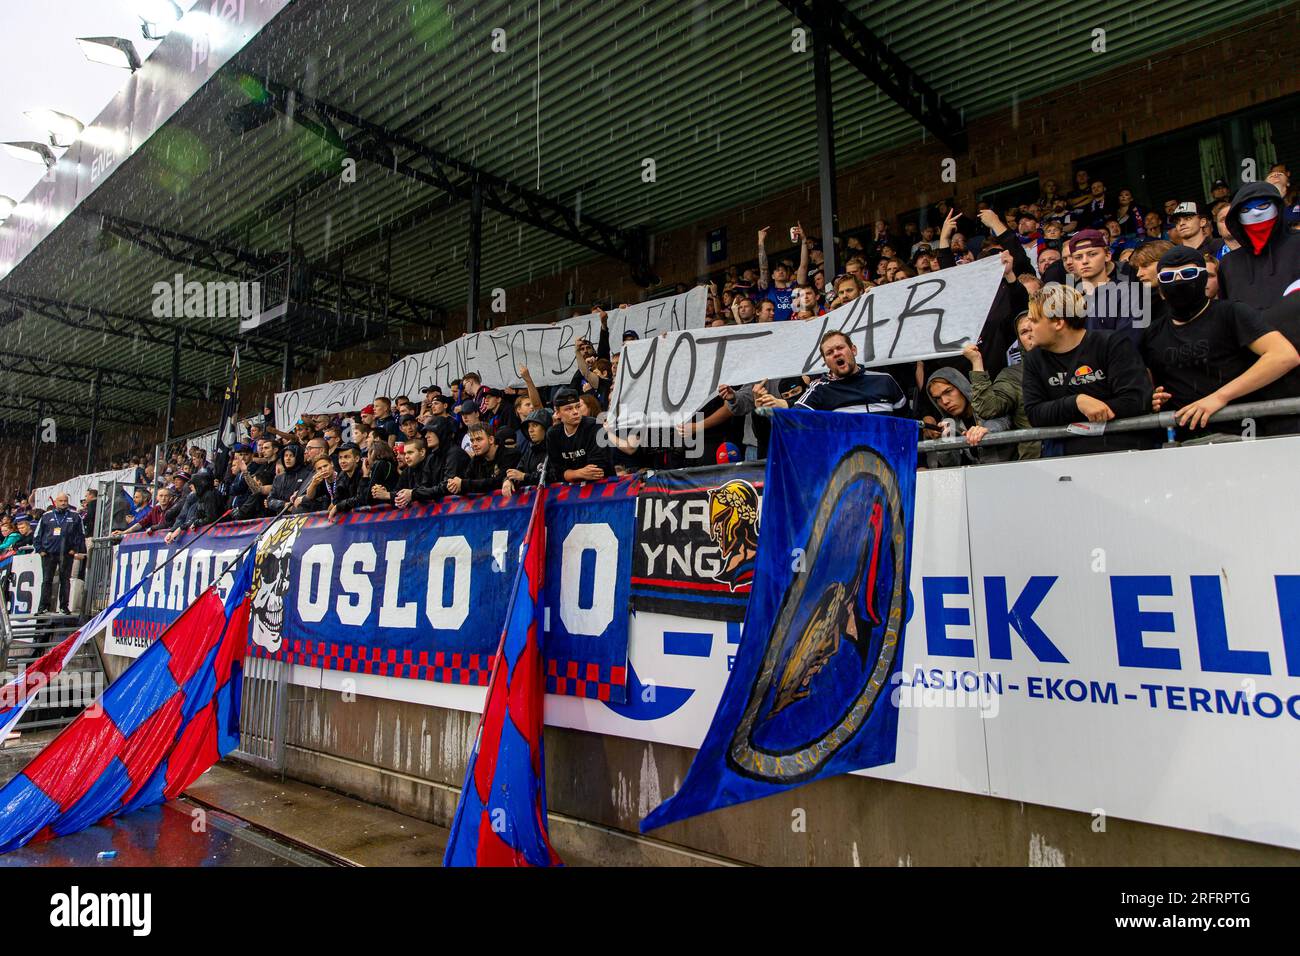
point(809, 695)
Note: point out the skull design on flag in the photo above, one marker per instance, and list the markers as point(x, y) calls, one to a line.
point(271, 579)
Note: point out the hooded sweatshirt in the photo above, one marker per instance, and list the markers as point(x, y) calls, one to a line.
point(1258, 278)
point(967, 454)
point(290, 482)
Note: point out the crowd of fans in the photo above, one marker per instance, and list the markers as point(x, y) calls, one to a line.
point(1108, 309)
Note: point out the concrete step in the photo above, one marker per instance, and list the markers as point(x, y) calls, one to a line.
point(342, 828)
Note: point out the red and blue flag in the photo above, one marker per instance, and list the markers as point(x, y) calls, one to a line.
point(501, 817)
point(169, 717)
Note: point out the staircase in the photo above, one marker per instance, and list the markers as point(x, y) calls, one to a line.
point(25, 638)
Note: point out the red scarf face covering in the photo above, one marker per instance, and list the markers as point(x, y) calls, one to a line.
point(1258, 233)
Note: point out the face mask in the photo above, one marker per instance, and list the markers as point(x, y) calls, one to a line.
point(1187, 296)
point(1257, 218)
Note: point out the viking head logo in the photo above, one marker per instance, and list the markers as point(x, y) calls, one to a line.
point(271, 580)
point(733, 525)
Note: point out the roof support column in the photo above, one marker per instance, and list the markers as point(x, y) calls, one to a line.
point(286, 366)
point(171, 392)
point(36, 447)
point(94, 421)
point(473, 262)
point(286, 372)
point(830, 221)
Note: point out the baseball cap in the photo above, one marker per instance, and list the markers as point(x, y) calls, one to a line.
point(1087, 239)
point(565, 396)
point(407, 418)
point(629, 335)
point(467, 408)
point(1219, 184)
point(487, 392)
point(541, 416)
point(368, 410)
point(1189, 208)
point(182, 475)
point(1181, 256)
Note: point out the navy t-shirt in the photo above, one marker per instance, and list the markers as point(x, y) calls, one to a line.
point(782, 299)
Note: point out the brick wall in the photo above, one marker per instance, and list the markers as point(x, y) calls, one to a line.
point(1244, 66)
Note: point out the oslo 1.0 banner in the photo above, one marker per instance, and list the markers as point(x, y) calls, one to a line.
point(417, 593)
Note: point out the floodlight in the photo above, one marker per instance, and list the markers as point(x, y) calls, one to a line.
point(63, 129)
point(157, 17)
point(111, 51)
point(30, 152)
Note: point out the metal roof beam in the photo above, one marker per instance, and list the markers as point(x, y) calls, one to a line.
point(856, 42)
point(115, 414)
point(149, 331)
point(22, 363)
point(226, 259)
point(455, 177)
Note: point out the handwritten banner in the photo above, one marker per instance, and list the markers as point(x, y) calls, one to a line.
point(665, 380)
point(547, 350)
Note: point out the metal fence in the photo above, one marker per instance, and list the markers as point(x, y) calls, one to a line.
point(264, 713)
point(1161, 421)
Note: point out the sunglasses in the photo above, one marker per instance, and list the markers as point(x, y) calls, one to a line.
point(1185, 274)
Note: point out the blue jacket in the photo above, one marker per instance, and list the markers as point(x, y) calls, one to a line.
point(70, 537)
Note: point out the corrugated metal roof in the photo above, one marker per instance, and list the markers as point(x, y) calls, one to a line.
point(710, 91)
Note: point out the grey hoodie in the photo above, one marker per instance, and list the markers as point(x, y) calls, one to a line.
point(966, 454)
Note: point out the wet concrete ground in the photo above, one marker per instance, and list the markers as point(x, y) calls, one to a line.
point(235, 815)
point(179, 833)
point(348, 830)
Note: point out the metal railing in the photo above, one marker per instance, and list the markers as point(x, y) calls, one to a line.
point(264, 713)
point(1160, 421)
point(57, 702)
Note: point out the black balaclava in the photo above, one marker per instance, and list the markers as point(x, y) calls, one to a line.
point(1186, 297)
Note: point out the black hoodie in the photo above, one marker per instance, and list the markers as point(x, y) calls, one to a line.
point(292, 481)
point(206, 504)
point(1259, 280)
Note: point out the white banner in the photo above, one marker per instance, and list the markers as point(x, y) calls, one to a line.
point(547, 350)
point(1080, 644)
point(75, 488)
point(665, 380)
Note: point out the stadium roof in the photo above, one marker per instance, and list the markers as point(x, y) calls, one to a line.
point(555, 128)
